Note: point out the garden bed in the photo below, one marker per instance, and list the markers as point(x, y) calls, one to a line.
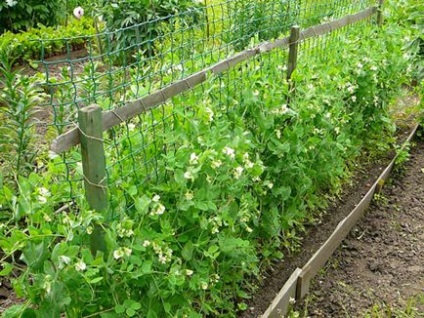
point(379, 268)
point(317, 234)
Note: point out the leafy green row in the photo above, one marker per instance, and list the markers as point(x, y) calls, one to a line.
point(44, 42)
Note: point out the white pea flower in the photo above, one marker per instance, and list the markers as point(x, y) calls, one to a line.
point(189, 195)
point(117, 254)
point(268, 184)
point(131, 126)
point(41, 199)
point(11, 3)
point(216, 164)
point(188, 175)
point(189, 272)
point(78, 12)
point(249, 164)
point(354, 98)
point(162, 258)
point(156, 198)
point(44, 192)
point(64, 260)
point(127, 251)
point(160, 209)
point(80, 266)
point(47, 284)
point(215, 278)
point(229, 152)
point(52, 155)
point(146, 243)
point(204, 285)
point(210, 113)
point(194, 159)
point(237, 172)
point(351, 89)
point(278, 133)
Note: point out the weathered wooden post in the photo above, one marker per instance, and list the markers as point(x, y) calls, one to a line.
point(94, 167)
point(292, 60)
point(380, 13)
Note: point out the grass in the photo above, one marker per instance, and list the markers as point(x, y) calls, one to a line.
point(414, 308)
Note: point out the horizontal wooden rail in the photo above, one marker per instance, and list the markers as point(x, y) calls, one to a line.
point(114, 117)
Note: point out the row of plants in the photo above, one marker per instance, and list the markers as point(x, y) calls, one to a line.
point(246, 173)
point(44, 42)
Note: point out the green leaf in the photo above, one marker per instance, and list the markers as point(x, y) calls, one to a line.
point(142, 204)
point(7, 269)
point(152, 314)
point(135, 305)
point(135, 260)
point(282, 192)
point(187, 251)
point(132, 190)
point(119, 309)
point(34, 255)
point(130, 312)
point(201, 206)
point(146, 267)
point(232, 245)
point(96, 280)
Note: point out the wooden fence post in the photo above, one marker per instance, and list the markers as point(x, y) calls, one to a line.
point(292, 60)
point(293, 50)
point(94, 167)
point(380, 13)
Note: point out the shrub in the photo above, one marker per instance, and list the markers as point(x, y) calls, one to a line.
point(19, 15)
point(44, 42)
point(138, 24)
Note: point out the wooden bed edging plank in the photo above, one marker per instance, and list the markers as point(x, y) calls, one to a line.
point(318, 260)
point(282, 301)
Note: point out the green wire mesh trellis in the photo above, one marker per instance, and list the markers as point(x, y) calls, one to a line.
point(117, 66)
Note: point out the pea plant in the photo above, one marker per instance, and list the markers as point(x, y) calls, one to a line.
point(244, 170)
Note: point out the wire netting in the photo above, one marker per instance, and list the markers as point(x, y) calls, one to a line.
point(118, 66)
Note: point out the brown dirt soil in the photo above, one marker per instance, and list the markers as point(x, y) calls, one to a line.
point(381, 262)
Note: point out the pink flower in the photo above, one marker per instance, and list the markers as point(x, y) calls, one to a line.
point(78, 12)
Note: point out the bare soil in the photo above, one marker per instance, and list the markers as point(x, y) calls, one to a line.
point(381, 262)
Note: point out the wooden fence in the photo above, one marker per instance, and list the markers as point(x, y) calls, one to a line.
point(92, 121)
